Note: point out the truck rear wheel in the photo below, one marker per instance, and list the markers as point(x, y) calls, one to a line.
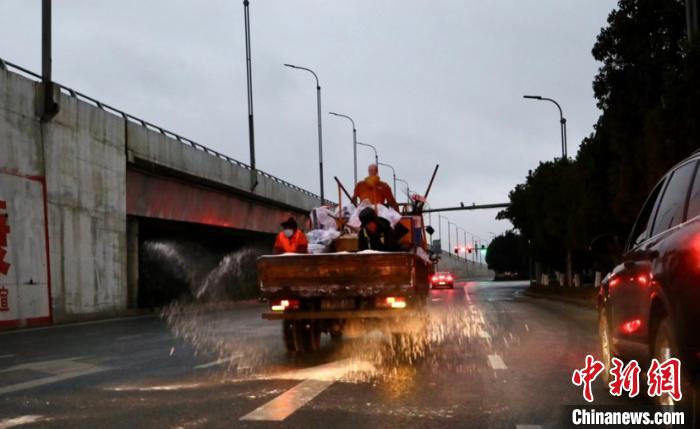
point(301, 335)
point(310, 335)
point(288, 335)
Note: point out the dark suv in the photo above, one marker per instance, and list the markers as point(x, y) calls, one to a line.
point(649, 305)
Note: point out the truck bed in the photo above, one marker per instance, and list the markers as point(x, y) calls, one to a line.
point(341, 275)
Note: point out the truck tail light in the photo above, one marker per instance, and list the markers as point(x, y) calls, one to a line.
point(284, 304)
point(391, 302)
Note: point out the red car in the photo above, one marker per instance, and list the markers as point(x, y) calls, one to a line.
point(442, 279)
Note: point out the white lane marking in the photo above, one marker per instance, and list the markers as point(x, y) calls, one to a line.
point(6, 356)
point(496, 362)
point(528, 427)
point(166, 388)
point(315, 380)
point(466, 294)
point(287, 403)
point(129, 337)
point(17, 421)
point(60, 369)
point(217, 362)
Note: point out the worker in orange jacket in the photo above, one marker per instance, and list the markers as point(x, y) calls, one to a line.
point(291, 239)
point(374, 190)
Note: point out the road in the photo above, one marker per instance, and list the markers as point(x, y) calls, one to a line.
point(491, 357)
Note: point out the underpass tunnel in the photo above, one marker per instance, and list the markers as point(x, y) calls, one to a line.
point(179, 261)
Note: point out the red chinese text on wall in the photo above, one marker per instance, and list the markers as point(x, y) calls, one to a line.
point(4, 265)
point(4, 231)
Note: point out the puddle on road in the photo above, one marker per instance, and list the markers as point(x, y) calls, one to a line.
point(448, 340)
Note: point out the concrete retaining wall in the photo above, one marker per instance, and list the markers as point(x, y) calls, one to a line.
point(77, 164)
point(80, 157)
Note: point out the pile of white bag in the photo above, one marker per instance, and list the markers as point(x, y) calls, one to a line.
point(325, 221)
point(382, 211)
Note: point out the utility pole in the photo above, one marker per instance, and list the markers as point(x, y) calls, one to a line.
point(692, 15)
point(48, 107)
point(249, 76)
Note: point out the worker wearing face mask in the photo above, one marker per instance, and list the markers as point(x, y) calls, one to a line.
point(291, 239)
point(374, 190)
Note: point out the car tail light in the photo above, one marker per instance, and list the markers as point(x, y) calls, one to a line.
point(644, 279)
point(631, 326)
point(614, 282)
point(449, 278)
point(434, 278)
point(284, 304)
point(391, 302)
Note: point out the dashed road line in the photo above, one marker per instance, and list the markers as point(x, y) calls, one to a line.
point(217, 362)
point(18, 421)
point(60, 369)
point(287, 403)
point(129, 337)
point(315, 380)
point(528, 427)
point(6, 356)
point(496, 362)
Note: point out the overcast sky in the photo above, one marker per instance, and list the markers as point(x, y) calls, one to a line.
point(427, 82)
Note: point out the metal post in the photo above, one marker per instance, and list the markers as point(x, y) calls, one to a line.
point(320, 140)
point(354, 150)
point(465, 245)
point(692, 15)
point(49, 106)
point(249, 75)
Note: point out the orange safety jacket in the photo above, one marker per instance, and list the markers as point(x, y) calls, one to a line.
point(378, 193)
point(297, 243)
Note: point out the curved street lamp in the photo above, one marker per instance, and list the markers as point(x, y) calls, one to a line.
point(354, 140)
point(320, 133)
point(562, 121)
point(408, 188)
point(376, 156)
point(393, 173)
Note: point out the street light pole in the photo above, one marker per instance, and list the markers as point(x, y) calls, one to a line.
point(562, 121)
point(249, 83)
point(408, 188)
point(320, 132)
point(376, 157)
point(354, 141)
point(440, 218)
point(393, 173)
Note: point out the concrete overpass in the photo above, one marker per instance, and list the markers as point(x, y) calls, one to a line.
point(80, 192)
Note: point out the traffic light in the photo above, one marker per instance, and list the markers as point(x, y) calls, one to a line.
point(469, 249)
point(483, 247)
point(456, 249)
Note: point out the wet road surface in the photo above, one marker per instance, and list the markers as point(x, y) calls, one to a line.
point(489, 357)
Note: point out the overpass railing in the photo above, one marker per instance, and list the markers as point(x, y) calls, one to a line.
point(6, 65)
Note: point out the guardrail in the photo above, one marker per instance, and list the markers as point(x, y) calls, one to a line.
point(6, 65)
